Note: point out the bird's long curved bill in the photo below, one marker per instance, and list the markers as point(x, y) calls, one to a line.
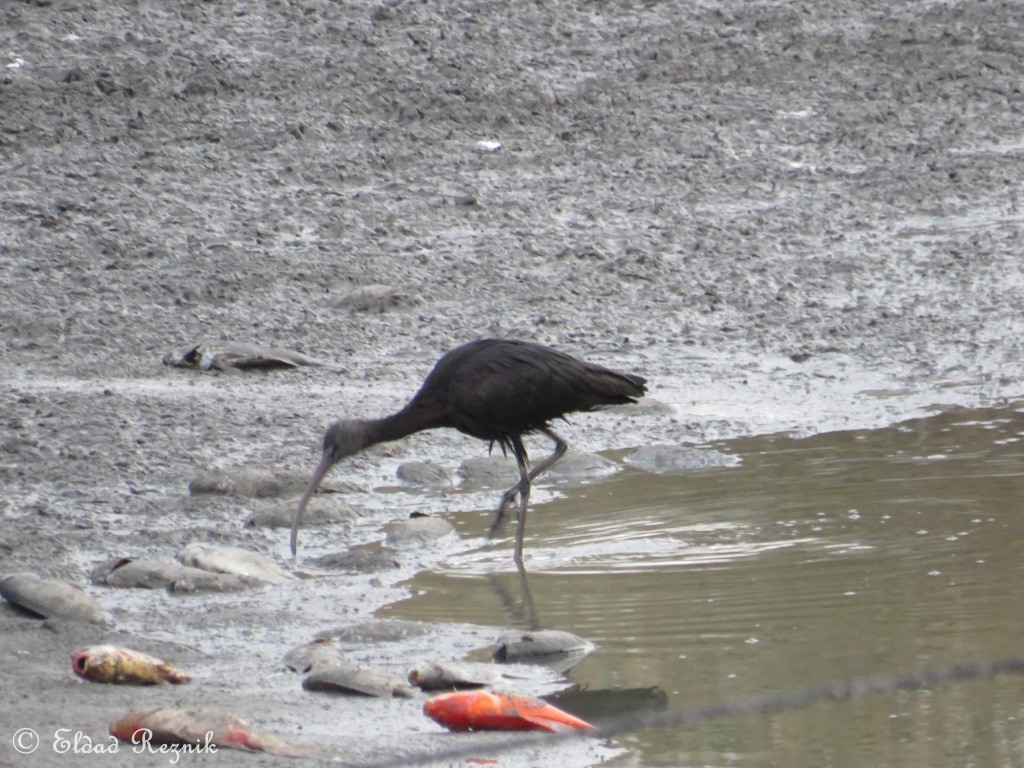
point(325, 464)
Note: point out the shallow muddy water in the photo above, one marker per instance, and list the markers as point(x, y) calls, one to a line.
point(840, 555)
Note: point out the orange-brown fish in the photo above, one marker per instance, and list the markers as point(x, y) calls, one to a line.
point(110, 664)
point(204, 729)
point(486, 711)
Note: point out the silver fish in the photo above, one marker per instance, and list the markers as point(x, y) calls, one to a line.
point(313, 657)
point(236, 560)
point(235, 356)
point(534, 646)
point(353, 679)
point(157, 574)
point(258, 483)
point(52, 599)
point(448, 675)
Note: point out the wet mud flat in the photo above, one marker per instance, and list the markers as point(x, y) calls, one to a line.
point(788, 219)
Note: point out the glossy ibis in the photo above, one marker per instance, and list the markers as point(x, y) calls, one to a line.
point(494, 389)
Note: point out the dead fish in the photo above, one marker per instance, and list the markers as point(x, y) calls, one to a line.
point(52, 599)
point(444, 675)
point(318, 513)
point(258, 483)
point(425, 474)
point(513, 646)
point(364, 558)
point(202, 729)
point(416, 532)
point(110, 664)
point(377, 631)
point(352, 679)
point(376, 297)
point(156, 574)
point(228, 356)
point(236, 560)
point(487, 711)
point(314, 656)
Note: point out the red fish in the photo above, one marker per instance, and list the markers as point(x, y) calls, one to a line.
point(200, 730)
point(486, 711)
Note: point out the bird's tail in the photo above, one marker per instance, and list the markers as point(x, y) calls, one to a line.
point(622, 387)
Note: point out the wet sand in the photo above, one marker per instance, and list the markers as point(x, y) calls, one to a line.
point(788, 219)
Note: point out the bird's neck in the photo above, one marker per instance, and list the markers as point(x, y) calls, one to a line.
point(399, 425)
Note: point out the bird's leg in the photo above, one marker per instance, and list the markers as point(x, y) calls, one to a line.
point(524, 496)
point(510, 494)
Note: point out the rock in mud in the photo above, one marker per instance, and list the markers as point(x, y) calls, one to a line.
point(424, 474)
point(200, 729)
point(377, 631)
point(232, 560)
point(123, 666)
point(352, 679)
point(51, 599)
point(314, 656)
point(416, 532)
point(318, 512)
point(677, 458)
point(233, 356)
point(368, 558)
point(535, 646)
point(259, 483)
point(156, 574)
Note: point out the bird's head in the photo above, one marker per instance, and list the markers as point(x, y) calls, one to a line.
point(343, 438)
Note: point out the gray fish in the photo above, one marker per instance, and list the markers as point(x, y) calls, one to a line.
point(446, 675)
point(546, 642)
point(236, 560)
point(229, 356)
point(313, 657)
point(319, 512)
point(352, 679)
point(423, 473)
point(157, 574)
point(366, 558)
point(416, 532)
point(257, 483)
point(377, 631)
point(52, 599)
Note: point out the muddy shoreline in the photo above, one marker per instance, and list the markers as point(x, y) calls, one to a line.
point(790, 219)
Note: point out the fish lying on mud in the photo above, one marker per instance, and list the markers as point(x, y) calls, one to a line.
point(314, 656)
point(51, 599)
point(352, 679)
point(231, 356)
point(457, 675)
point(260, 483)
point(513, 646)
point(234, 560)
point(182, 729)
point(157, 574)
point(488, 711)
point(123, 666)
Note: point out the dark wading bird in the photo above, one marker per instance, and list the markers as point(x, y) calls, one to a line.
point(494, 389)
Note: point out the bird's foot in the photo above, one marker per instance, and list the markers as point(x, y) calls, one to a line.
point(499, 517)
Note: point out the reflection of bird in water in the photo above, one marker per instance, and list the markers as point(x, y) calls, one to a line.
point(494, 389)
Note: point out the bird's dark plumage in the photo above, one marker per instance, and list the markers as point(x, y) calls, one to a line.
point(496, 390)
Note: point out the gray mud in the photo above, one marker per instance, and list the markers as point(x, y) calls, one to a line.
point(788, 217)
